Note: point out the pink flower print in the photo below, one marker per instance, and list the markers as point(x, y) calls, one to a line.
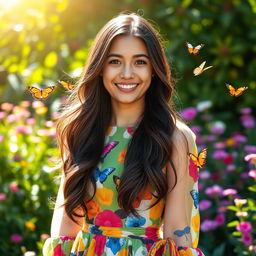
point(193, 170)
point(57, 251)
point(108, 218)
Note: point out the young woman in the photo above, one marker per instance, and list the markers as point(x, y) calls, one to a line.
point(126, 165)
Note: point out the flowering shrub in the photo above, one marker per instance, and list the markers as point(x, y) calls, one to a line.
point(227, 182)
point(28, 153)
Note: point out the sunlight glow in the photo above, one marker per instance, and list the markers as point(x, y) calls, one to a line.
point(7, 4)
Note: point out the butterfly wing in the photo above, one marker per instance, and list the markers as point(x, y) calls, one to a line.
point(66, 85)
point(198, 48)
point(202, 157)
point(96, 174)
point(35, 92)
point(104, 174)
point(240, 90)
point(194, 158)
point(199, 70)
point(231, 89)
point(47, 92)
point(190, 47)
point(195, 196)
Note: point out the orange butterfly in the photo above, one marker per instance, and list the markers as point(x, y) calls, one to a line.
point(200, 159)
point(66, 85)
point(41, 94)
point(194, 50)
point(236, 92)
point(199, 70)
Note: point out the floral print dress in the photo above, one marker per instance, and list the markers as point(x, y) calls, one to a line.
point(107, 230)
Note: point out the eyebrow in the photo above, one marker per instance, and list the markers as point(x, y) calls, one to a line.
point(134, 56)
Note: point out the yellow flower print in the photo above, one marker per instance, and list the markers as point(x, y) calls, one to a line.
point(195, 243)
point(121, 156)
point(93, 209)
point(123, 252)
point(156, 211)
point(196, 223)
point(91, 250)
point(78, 245)
point(105, 196)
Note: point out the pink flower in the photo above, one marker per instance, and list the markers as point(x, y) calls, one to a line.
point(1, 138)
point(252, 173)
point(239, 137)
point(2, 115)
point(11, 118)
point(220, 218)
point(109, 219)
point(189, 113)
point(211, 138)
point(37, 104)
point(14, 187)
point(247, 121)
point(231, 167)
point(31, 121)
point(2, 196)
point(44, 236)
point(16, 238)
point(7, 106)
point(229, 192)
point(196, 129)
point(23, 129)
point(250, 157)
point(247, 239)
point(205, 204)
point(250, 148)
point(214, 190)
point(218, 127)
point(244, 227)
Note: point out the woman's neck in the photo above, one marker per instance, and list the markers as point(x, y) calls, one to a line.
point(126, 114)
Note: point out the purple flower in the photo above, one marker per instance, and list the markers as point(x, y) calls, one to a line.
point(205, 204)
point(205, 175)
point(247, 239)
point(220, 218)
point(16, 238)
point(189, 113)
point(196, 128)
point(231, 168)
point(208, 225)
point(250, 148)
point(218, 127)
point(244, 175)
point(245, 111)
point(211, 138)
point(219, 154)
point(244, 227)
point(247, 121)
point(239, 137)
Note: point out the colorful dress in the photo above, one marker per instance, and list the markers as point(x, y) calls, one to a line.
point(107, 230)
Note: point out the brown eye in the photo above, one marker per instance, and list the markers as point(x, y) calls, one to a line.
point(114, 61)
point(141, 62)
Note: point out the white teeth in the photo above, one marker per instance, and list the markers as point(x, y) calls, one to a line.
point(126, 86)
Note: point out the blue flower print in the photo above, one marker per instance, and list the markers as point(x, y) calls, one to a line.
point(133, 222)
point(115, 244)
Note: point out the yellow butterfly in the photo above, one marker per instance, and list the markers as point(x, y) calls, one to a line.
point(199, 70)
point(194, 50)
point(236, 92)
point(66, 85)
point(200, 159)
point(41, 94)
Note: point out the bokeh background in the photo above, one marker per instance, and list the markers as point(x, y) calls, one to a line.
point(43, 41)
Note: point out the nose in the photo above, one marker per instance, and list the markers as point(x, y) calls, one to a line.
point(127, 72)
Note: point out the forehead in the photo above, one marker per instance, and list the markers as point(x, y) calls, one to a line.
point(128, 44)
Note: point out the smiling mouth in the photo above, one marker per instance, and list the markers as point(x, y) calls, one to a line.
point(126, 85)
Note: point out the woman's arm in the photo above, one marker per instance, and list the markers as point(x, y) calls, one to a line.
point(181, 216)
point(62, 225)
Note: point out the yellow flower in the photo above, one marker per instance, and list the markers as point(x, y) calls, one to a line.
point(196, 222)
point(93, 208)
point(105, 196)
point(30, 225)
point(230, 142)
point(41, 110)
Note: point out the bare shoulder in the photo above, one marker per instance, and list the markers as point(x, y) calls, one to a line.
point(183, 136)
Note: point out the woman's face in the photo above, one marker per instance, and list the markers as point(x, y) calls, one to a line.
point(127, 71)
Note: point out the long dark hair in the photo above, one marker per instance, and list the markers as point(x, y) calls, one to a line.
point(83, 123)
